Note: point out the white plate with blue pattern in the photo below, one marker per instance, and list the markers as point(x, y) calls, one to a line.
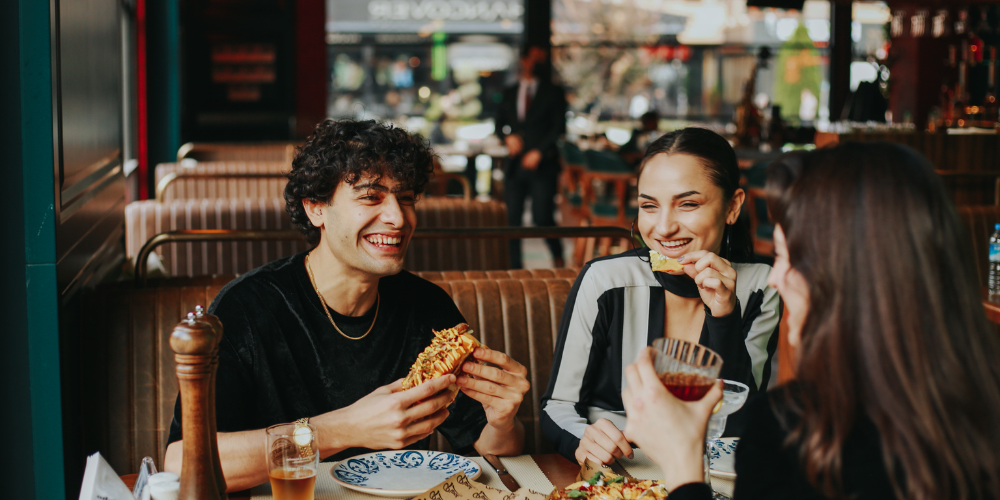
point(722, 456)
point(403, 473)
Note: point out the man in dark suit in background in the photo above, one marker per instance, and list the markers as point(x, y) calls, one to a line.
point(531, 119)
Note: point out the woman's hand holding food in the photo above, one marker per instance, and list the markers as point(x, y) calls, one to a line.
point(500, 388)
point(602, 442)
point(670, 431)
point(389, 417)
point(716, 280)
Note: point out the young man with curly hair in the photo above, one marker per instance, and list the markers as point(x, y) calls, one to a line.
point(329, 334)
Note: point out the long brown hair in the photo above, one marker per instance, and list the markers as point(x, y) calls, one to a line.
point(895, 329)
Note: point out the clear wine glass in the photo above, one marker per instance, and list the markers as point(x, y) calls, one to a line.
point(734, 395)
point(688, 371)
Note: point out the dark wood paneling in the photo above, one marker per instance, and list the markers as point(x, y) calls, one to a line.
point(90, 186)
point(89, 203)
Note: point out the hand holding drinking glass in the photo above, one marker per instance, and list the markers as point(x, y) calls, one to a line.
point(668, 429)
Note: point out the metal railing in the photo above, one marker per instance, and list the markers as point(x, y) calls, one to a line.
point(200, 235)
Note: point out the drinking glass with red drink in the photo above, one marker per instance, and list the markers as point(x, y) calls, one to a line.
point(292, 460)
point(688, 371)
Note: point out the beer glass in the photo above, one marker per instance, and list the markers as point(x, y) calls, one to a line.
point(292, 460)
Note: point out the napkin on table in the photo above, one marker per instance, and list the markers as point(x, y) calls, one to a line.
point(101, 482)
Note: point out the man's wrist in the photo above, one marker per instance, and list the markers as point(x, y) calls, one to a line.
point(332, 432)
point(504, 428)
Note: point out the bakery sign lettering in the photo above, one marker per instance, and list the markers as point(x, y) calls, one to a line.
point(445, 10)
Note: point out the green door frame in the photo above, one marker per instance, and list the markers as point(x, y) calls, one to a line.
point(38, 177)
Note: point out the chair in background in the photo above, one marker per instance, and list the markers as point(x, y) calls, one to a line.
point(761, 227)
point(608, 185)
point(755, 208)
point(574, 164)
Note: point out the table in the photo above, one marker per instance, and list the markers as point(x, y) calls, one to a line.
point(557, 469)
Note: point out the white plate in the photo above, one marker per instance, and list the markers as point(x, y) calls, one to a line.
point(722, 456)
point(403, 473)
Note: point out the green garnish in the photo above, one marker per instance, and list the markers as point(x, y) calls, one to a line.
point(595, 478)
point(619, 479)
point(577, 494)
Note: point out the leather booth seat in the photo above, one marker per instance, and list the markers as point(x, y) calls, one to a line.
point(145, 219)
point(202, 188)
point(127, 379)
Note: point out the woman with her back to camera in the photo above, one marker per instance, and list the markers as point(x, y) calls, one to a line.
point(689, 205)
point(897, 390)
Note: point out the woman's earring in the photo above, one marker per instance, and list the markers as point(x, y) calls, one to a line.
point(729, 243)
point(631, 239)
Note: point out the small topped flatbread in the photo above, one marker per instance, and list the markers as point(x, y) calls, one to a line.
point(448, 350)
point(664, 264)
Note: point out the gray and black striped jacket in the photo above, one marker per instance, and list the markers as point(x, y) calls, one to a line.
point(615, 309)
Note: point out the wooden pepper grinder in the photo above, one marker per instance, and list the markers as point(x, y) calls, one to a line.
point(195, 343)
point(201, 315)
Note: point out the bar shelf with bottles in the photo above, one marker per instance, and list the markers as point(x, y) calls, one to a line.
point(969, 91)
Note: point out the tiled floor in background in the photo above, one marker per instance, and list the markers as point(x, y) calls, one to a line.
point(534, 252)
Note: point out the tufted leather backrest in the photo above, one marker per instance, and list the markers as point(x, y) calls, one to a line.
point(978, 221)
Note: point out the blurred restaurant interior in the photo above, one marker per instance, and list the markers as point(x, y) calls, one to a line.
point(129, 119)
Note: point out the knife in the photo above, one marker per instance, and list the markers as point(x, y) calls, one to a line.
point(619, 469)
point(507, 479)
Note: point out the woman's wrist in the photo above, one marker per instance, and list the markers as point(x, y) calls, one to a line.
point(681, 466)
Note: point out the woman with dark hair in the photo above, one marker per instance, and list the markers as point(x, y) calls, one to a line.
point(690, 200)
point(898, 388)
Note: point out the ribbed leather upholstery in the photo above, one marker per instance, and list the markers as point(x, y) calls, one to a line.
point(145, 219)
point(128, 381)
point(235, 151)
point(441, 255)
point(521, 318)
point(222, 188)
point(979, 221)
point(439, 276)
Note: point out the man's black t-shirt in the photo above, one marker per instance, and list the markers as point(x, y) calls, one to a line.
point(280, 358)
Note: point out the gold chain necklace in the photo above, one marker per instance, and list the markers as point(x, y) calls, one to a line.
point(326, 309)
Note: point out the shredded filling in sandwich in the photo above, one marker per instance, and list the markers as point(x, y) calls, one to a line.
point(448, 350)
point(663, 264)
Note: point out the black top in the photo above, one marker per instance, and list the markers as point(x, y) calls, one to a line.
point(280, 358)
point(544, 123)
point(766, 469)
point(615, 309)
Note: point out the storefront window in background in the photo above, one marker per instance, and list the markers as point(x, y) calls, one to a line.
point(434, 67)
point(689, 60)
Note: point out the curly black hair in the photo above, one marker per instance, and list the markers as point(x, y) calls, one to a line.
point(347, 150)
